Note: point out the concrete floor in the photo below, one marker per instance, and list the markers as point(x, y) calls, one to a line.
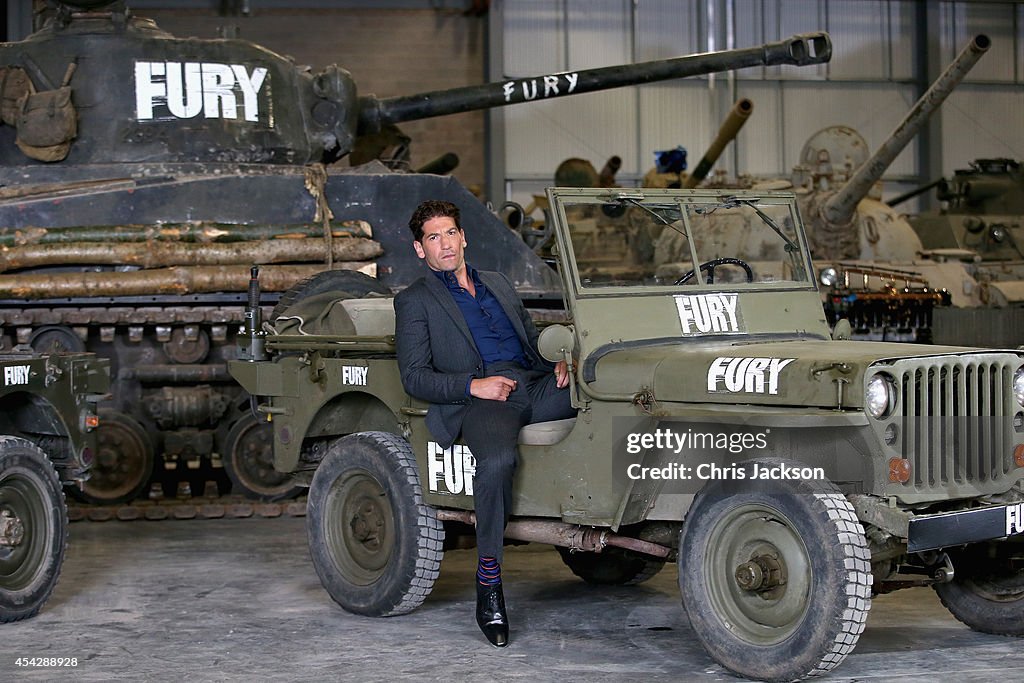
point(237, 599)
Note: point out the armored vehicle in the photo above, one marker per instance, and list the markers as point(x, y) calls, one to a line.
point(48, 420)
point(980, 224)
point(879, 275)
point(790, 472)
point(142, 174)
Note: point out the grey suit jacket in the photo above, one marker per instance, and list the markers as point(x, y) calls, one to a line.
point(436, 352)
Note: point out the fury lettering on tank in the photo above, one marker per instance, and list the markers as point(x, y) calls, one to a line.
point(547, 86)
point(746, 375)
point(183, 90)
point(709, 314)
point(450, 470)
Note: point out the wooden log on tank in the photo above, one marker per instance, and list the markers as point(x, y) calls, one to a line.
point(163, 254)
point(178, 280)
point(179, 232)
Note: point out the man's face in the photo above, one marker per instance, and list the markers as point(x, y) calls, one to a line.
point(442, 245)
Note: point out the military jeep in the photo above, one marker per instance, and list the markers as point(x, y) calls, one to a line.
point(47, 421)
point(792, 473)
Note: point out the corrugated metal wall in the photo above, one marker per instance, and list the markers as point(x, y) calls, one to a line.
point(869, 85)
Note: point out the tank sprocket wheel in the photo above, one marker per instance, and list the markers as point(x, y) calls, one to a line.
point(124, 460)
point(248, 456)
point(33, 528)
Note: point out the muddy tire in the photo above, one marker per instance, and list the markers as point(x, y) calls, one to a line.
point(376, 546)
point(775, 576)
point(612, 566)
point(34, 524)
point(986, 593)
point(356, 284)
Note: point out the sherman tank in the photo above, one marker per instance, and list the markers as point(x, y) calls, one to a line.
point(142, 175)
point(876, 272)
point(980, 224)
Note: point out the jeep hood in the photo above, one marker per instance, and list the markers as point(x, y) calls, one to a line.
point(792, 372)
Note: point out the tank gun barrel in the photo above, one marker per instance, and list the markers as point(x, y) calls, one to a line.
point(839, 209)
point(799, 50)
point(738, 115)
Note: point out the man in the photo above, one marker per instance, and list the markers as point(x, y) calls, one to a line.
point(466, 344)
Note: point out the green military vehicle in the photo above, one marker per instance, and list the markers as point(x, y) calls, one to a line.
point(791, 472)
point(47, 422)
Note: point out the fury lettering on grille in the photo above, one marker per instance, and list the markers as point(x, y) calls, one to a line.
point(354, 374)
point(450, 470)
point(746, 375)
point(709, 314)
point(183, 90)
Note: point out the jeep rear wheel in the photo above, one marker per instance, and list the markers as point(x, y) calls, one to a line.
point(357, 285)
point(376, 545)
point(33, 528)
point(775, 576)
point(986, 593)
point(612, 566)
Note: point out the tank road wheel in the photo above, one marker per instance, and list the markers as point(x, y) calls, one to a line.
point(986, 593)
point(124, 460)
point(775, 576)
point(33, 528)
point(375, 544)
point(612, 566)
point(352, 281)
point(56, 339)
point(249, 461)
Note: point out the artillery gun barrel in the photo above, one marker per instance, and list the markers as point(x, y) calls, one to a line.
point(738, 115)
point(840, 207)
point(799, 50)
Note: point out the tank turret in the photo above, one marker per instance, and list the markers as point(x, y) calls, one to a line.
point(835, 220)
point(143, 175)
point(983, 212)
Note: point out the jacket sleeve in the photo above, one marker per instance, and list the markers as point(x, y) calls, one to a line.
point(415, 360)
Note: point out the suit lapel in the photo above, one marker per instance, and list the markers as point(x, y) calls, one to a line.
point(444, 297)
point(497, 287)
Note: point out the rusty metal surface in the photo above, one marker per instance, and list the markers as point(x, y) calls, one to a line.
point(223, 507)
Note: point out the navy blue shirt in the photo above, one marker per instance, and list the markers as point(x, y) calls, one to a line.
point(495, 337)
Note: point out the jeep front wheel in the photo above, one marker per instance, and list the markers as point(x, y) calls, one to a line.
point(376, 545)
point(612, 566)
point(775, 576)
point(33, 528)
point(986, 593)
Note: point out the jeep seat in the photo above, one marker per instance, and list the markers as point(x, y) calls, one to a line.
point(546, 433)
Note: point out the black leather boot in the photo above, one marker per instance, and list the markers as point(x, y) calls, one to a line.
point(491, 615)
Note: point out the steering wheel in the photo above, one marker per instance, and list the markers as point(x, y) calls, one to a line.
point(710, 267)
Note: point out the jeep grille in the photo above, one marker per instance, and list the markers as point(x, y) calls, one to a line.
point(957, 419)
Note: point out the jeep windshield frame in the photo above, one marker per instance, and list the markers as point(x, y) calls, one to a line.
point(625, 241)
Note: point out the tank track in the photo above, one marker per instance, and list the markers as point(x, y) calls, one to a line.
point(218, 507)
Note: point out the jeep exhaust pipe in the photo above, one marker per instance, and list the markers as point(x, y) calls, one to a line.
point(572, 536)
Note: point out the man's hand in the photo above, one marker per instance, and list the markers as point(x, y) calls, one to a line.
point(495, 388)
point(562, 374)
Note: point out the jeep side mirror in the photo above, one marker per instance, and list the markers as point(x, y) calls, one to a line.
point(842, 330)
point(554, 341)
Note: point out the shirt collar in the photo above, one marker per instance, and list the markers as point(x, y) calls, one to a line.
point(449, 280)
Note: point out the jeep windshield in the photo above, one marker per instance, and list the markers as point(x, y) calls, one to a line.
point(682, 239)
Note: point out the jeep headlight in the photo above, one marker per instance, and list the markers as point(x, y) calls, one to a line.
point(881, 395)
point(828, 276)
point(1018, 385)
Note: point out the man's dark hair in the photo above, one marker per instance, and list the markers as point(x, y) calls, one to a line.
point(432, 208)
